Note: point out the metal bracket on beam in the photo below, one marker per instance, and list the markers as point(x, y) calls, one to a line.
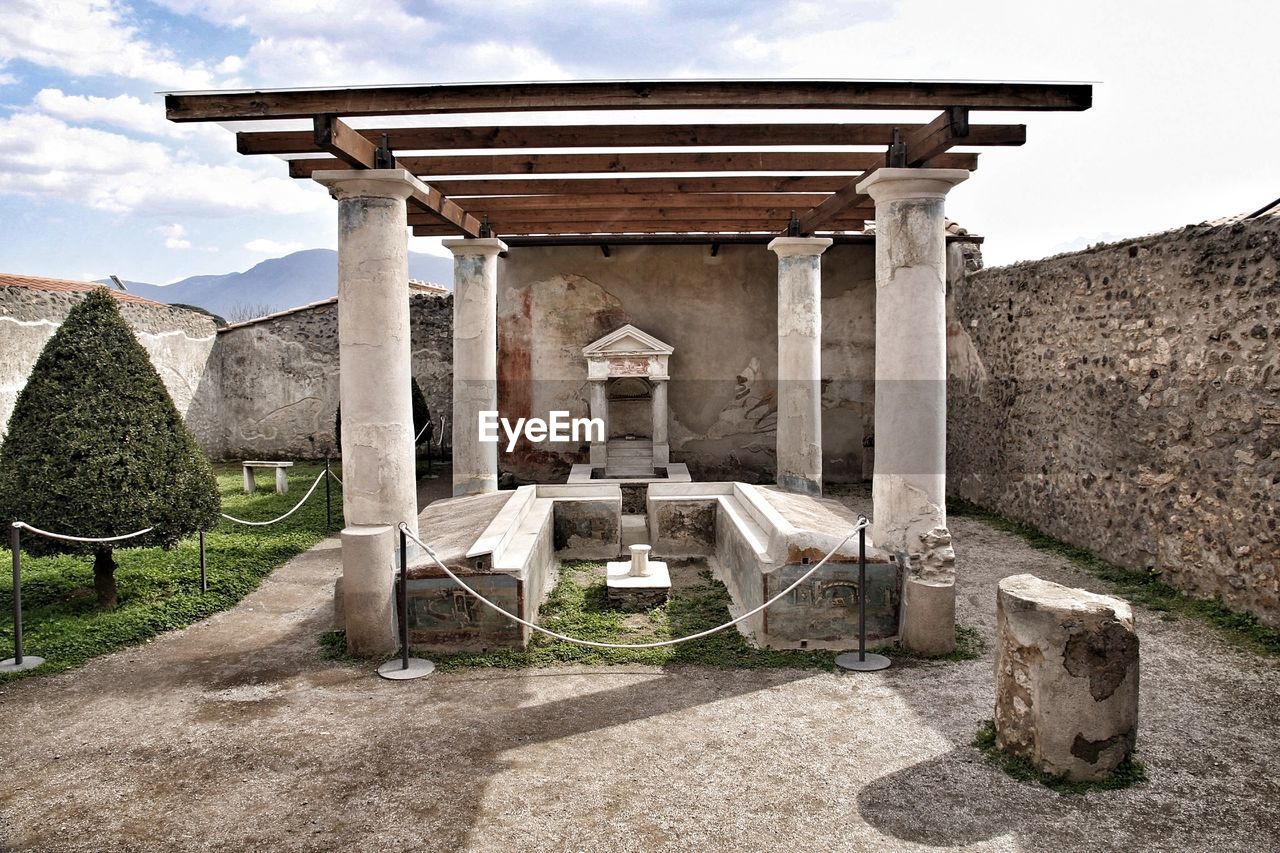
point(715, 248)
point(604, 249)
point(793, 227)
point(383, 157)
point(896, 156)
point(485, 230)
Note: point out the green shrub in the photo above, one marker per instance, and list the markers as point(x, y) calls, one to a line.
point(96, 448)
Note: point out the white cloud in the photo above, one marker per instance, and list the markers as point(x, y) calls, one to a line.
point(43, 156)
point(272, 247)
point(175, 236)
point(91, 38)
point(123, 111)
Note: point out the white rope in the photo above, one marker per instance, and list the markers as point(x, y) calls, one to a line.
point(283, 517)
point(91, 539)
point(425, 427)
point(432, 554)
point(335, 476)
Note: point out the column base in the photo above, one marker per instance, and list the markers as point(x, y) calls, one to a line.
point(368, 590)
point(928, 617)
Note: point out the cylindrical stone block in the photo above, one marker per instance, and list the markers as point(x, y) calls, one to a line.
point(379, 476)
point(475, 361)
point(639, 561)
point(368, 590)
point(929, 616)
point(799, 429)
point(1066, 678)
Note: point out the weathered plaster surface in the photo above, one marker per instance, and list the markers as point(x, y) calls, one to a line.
point(272, 386)
point(1127, 399)
point(720, 315)
point(178, 341)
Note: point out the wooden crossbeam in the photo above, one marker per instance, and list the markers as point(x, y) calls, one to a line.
point(609, 214)
point(350, 148)
point(466, 187)
point(626, 95)
point(629, 226)
point(617, 136)
point(641, 201)
point(948, 129)
point(561, 164)
point(332, 135)
point(834, 205)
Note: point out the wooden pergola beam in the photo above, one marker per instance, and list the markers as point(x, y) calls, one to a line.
point(618, 214)
point(625, 95)
point(352, 149)
point(641, 201)
point(562, 164)
point(466, 187)
point(628, 226)
point(617, 136)
point(950, 128)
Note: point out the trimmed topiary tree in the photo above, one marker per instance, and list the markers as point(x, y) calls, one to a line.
point(421, 417)
point(96, 448)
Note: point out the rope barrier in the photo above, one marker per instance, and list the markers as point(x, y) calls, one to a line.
point(319, 477)
point(335, 476)
point(404, 528)
point(96, 540)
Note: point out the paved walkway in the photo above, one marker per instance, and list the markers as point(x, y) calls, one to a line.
point(235, 734)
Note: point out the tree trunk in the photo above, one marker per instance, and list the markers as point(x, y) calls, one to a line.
point(104, 578)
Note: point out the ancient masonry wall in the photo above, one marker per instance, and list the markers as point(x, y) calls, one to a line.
point(720, 312)
point(271, 389)
point(1127, 399)
point(178, 341)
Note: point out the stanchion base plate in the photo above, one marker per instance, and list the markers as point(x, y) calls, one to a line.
point(849, 661)
point(28, 662)
point(394, 669)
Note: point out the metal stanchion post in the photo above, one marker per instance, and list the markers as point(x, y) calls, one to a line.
point(204, 573)
point(862, 662)
point(18, 662)
point(328, 500)
point(408, 667)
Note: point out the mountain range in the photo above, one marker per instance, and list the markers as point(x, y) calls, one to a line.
point(276, 284)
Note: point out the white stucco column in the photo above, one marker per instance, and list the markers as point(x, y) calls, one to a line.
point(799, 436)
point(475, 361)
point(379, 480)
point(661, 447)
point(599, 403)
point(909, 484)
point(379, 483)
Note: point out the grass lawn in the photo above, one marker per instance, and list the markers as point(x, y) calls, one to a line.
point(160, 590)
point(578, 607)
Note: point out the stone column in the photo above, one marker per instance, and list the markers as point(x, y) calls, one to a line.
point(599, 403)
point(661, 445)
point(475, 361)
point(379, 478)
point(799, 435)
point(909, 485)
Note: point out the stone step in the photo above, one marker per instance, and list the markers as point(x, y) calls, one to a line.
point(626, 452)
point(629, 470)
point(635, 530)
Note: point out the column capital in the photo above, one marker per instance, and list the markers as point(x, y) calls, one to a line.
point(789, 247)
point(367, 183)
point(486, 246)
point(901, 184)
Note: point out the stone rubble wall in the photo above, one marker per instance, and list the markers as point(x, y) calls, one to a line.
point(1126, 399)
point(179, 341)
point(272, 387)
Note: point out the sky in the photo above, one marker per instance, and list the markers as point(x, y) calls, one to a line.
point(94, 180)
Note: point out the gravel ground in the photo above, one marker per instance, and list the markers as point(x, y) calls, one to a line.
point(235, 734)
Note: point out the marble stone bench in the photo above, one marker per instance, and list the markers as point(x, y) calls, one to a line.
point(762, 540)
point(1066, 678)
point(282, 478)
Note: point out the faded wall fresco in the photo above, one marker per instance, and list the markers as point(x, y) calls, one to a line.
point(720, 314)
point(272, 385)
